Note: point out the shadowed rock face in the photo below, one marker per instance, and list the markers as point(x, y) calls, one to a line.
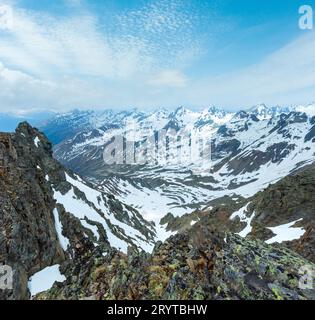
point(28, 239)
point(29, 180)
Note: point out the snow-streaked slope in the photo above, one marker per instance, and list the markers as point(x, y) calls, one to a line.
point(249, 151)
point(64, 241)
point(98, 129)
point(95, 209)
point(241, 214)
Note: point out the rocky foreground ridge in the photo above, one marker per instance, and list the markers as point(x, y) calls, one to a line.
point(203, 266)
point(204, 260)
point(47, 214)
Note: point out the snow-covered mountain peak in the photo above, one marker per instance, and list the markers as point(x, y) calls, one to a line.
point(308, 109)
point(263, 111)
point(184, 117)
point(212, 118)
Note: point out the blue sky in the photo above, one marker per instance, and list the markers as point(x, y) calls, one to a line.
point(67, 54)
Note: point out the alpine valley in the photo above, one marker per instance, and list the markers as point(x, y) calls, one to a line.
point(241, 226)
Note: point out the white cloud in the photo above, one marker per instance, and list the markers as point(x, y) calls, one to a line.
point(169, 78)
point(72, 61)
point(6, 17)
point(48, 48)
point(142, 60)
point(287, 76)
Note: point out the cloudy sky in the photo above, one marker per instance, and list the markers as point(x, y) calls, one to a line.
point(66, 54)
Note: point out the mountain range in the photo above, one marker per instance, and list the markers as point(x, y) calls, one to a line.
point(249, 150)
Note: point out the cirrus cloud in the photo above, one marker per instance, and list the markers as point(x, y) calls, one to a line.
point(142, 57)
point(169, 78)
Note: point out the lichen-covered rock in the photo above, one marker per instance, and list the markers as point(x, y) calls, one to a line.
point(206, 266)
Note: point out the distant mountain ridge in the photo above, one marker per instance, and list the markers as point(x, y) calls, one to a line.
point(66, 125)
point(62, 126)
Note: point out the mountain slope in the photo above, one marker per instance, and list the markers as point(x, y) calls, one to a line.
point(284, 212)
point(249, 151)
point(48, 213)
point(281, 213)
point(51, 219)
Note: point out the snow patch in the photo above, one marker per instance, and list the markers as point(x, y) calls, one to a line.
point(241, 214)
point(285, 232)
point(248, 229)
point(64, 242)
point(36, 141)
point(44, 279)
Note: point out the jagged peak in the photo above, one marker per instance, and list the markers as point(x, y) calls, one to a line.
point(160, 111)
point(28, 130)
point(260, 107)
point(216, 110)
point(241, 115)
point(24, 125)
point(262, 111)
point(179, 111)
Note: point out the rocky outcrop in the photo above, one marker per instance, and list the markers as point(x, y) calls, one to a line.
point(28, 238)
point(202, 266)
point(48, 214)
point(291, 199)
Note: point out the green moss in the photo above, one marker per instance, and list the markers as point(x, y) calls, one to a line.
point(277, 294)
point(198, 294)
point(173, 266)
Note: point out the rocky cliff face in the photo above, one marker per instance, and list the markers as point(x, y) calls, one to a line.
point(48, 214)
point(28, 238)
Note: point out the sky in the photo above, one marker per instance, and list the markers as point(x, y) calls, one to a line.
point(65, 54)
